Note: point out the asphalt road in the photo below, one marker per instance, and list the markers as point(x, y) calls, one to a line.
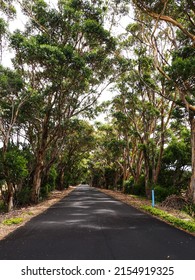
point(91, 225)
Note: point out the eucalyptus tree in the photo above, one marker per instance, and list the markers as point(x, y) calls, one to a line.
point(176, 20)
point(171, 11)
point(64, 54)
point(13, 95)
point(140, 109)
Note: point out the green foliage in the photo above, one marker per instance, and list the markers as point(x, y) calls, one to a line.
point(128, 186)
point(190, 209)
point(8, 8)
point(15, 164)
point(97, 175)
point(2, 206)
point(64, 56)
point(11, 82)
point(49, 183)
point(22, 196)
point(186, 225)
point(3, 27)
point(135, 188)
point(178, 153)
point(176, 161)
point(161, 193)
point(110, 174)
point(182, 70)
point(45, 190)
point(12, 221)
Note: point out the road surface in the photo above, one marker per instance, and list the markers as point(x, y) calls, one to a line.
point(88, 224)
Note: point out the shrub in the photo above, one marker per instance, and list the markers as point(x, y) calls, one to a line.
point(190, 209)
point(128, 186)
point(139, 189)
point(16, 163)
point(160, 193)
point(52, 179)
point(44, 191)
point(23, 196)
point(2, 206)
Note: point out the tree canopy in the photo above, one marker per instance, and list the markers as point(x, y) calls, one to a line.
point(65, 58)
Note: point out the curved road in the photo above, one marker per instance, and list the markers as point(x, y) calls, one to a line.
point(91, 225)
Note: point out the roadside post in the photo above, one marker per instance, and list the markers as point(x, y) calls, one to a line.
point(153, 198)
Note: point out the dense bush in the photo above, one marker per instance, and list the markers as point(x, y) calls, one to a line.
point(2, 206)
point(160, 193)
point(175, 169)
point(130, 187)
point(23, 196)
point(190, 209)
point(16, 163)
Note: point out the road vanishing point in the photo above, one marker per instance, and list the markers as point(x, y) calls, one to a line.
point(90, 225)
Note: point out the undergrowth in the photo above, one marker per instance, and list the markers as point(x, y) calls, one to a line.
point(12, 221)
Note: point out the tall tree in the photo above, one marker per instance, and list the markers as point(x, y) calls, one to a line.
point(64, 54)
point(12, 97)
point(178, 18)
point(141, 110)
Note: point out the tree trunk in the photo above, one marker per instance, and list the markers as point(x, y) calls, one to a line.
point(61, 185)
point(192, 181)
point(37, 179)
point(10, 187)
point(10, 201)
point(139, 165)
point(147, 180)
point(147, 174)
point(157, 169)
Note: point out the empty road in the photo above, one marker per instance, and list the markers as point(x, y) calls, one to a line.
point(88, 224)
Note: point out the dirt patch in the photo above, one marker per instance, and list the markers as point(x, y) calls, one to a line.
point(27, 213)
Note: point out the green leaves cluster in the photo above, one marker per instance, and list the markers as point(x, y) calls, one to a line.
point(15, 163)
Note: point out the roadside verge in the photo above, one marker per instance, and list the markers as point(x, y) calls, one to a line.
point(176, 218)
point(18, 217)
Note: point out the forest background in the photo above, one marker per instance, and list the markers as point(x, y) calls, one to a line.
point(68, 54)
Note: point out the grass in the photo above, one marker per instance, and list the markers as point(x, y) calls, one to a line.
point(12, 221)
point(183, 224)
point(30, 213)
